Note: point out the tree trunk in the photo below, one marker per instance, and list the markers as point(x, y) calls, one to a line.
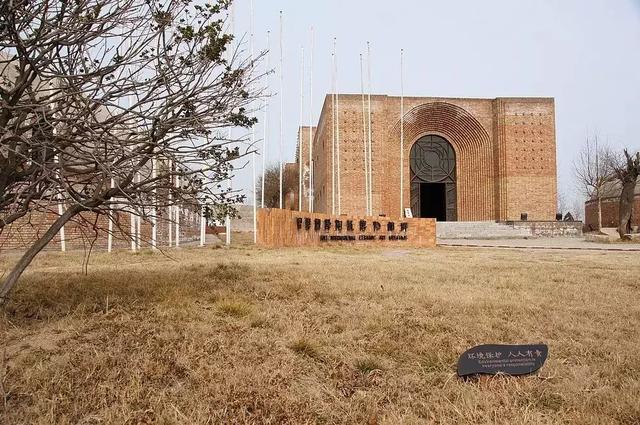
point(33, 250)
point(626, 207)
point(599, 214)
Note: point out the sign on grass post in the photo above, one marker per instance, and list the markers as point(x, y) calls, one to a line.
point(512, 360)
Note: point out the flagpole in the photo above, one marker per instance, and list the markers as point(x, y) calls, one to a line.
point(110, 234)
point(253, 141)
point(333, 133)
point(177, 209)
point(301, 132)
point(138, 219)
point(311, 188)
point(202, 226)
point(266, 121)
point(364, 138)
point(401, 132)
point(370, 147)
point(154, 210)
point(281, 106)
point(337, 120)
point(170, 208)
point(227, 221)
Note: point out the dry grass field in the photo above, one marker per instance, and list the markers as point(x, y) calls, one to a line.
point(310, 336)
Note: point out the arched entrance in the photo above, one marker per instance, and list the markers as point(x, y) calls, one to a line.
point(433, 179)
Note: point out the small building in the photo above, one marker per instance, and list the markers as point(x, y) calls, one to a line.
point(610, 204)
point(461, 159)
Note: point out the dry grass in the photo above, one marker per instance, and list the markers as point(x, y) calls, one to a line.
point(308, 336)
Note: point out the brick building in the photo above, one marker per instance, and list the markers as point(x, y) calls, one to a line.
point(463, 159)
point(610, 208)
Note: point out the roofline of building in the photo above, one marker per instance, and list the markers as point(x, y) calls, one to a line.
point(524, 98)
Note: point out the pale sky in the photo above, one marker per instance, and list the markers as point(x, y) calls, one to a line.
point(584, 53)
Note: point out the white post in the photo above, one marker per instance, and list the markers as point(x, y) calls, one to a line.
point(132, 229)
point(364, 140)
point(170, 208)
point(311, 189)
point(253, 141)
point(110, 234)
point(227, 224)
point(154, 209)
point(266, 121)
point(337, 120)
point(333, 132)
point(230, 130)
point(370, 147)
point(138, 220)
point(281, 107)
point(63, 241)
point(301, 135)
point(401, 133)
point(177, 212)
point(311, 176)
point(203, 224)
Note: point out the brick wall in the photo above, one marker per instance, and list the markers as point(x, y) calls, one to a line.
point(610, 213)
point(505, 154)
point(285, 228)
point(88, 230)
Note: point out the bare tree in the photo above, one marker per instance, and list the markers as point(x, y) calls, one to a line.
point(114, 106)
point(626, 168)
point(272, 186)
point(593, 172)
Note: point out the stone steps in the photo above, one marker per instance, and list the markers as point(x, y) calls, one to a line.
point(479, 230)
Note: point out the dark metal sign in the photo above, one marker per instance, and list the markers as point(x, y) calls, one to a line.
point(368, 231)
point(508, 359)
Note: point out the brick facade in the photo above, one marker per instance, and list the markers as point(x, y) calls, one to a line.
point(505, 153)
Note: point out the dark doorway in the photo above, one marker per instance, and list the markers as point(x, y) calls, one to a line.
point(433, 201)
point(433, 179)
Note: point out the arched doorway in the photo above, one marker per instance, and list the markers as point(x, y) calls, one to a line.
point(433, 179)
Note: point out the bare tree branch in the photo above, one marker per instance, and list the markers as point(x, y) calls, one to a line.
point(106, 104)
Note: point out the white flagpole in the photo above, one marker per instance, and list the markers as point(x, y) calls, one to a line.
point(202, 226)
point(401, 132)
point(370, 147)
point(110, 234)
point(132, 229)
point(281, 106)
point(333, 132)
point(132, 216)
point(177, 211)
point(253, 140)
point(63, 241)
point(170, 204)
point(301, 130)
point(337, 120)
point(227, 221)
point(364, 139)
point(311, 191)
point(138, 220)
point(266, 121)
point(154, 210)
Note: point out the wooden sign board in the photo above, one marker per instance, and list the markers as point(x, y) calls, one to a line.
point(492, 359)
point(408, 213)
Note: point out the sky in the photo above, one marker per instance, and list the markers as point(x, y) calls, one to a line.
point(584, 53)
